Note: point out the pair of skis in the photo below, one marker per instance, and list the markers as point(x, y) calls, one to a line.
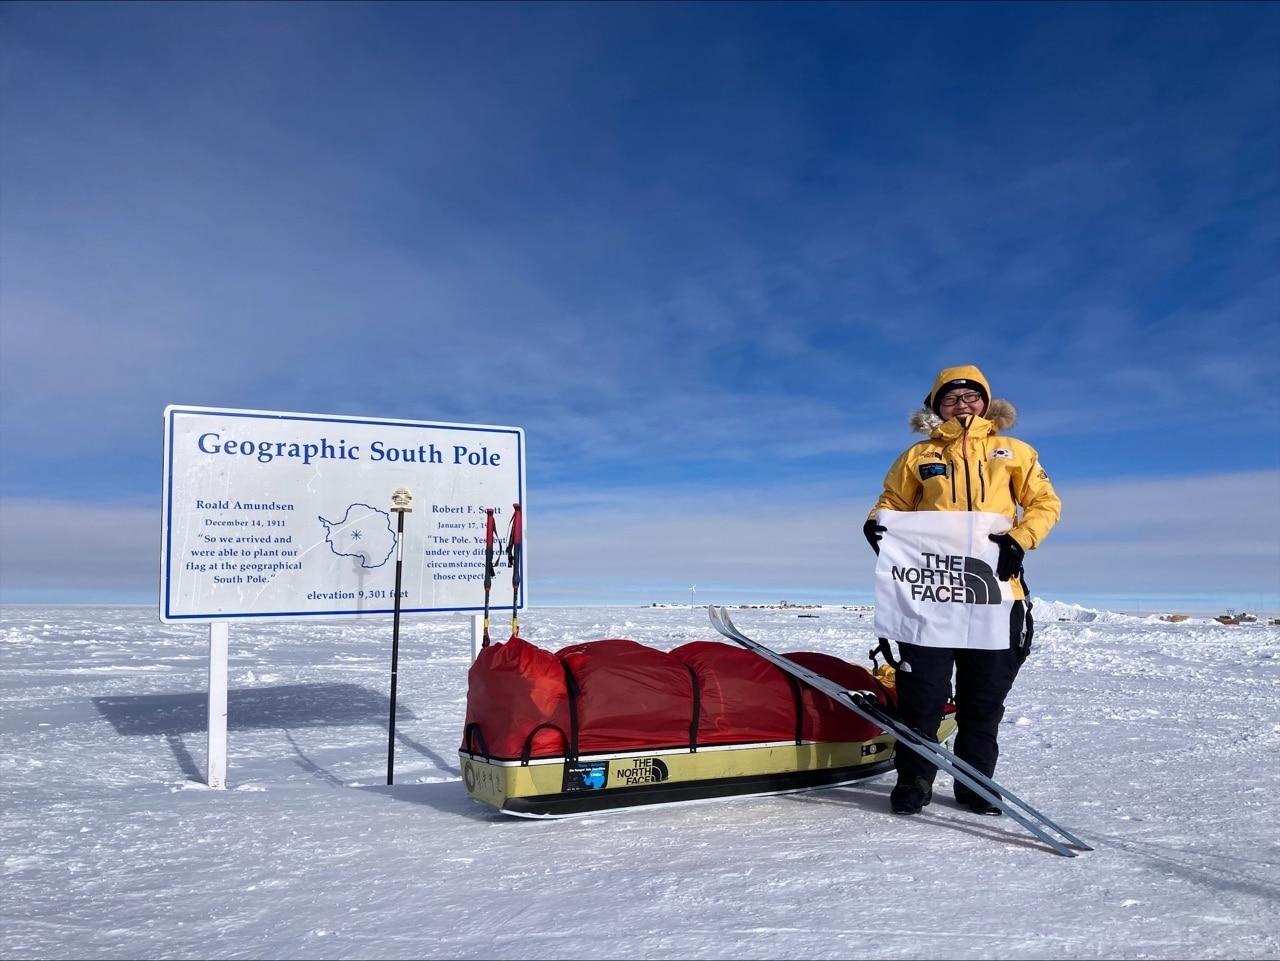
point(866, 706)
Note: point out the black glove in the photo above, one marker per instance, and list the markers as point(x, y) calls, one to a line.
point(872, 531)
point(1011, 555)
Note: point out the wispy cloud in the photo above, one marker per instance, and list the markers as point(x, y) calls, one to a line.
point(682, 244)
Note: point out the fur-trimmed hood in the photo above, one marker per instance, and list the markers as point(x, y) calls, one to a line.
point(1002, 414)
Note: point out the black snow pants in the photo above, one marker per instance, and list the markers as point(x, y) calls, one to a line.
point(983, 680)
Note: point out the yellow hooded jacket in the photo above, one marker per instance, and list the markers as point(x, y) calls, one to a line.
point(967, 465)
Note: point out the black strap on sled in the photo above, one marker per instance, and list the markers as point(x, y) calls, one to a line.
point(472, 733)
point(697, 710)
point(526, 752)
point(570, 739)
point(571, 684)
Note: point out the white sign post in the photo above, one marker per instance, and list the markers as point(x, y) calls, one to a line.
point(271, 514)
point(217, 756)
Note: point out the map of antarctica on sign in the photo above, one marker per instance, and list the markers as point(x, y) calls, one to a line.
point(270, 514)
point(363, 532)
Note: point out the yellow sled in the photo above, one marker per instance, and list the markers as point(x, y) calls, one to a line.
point(560, 787)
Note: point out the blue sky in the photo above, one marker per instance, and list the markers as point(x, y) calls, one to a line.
point(709, 256)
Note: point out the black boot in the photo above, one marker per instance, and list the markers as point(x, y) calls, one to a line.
point(983, 806)
point(908, 797)
point(967, 797)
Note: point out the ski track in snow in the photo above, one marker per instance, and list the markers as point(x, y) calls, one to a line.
point(1156, 742)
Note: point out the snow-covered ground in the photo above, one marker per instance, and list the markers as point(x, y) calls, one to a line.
point(1157, 742)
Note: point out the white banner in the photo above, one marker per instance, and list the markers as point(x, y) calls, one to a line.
point(935, 580)
point(278, 514)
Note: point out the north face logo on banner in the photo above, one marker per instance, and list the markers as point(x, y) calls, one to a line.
point(980, 584)
point(950, 579)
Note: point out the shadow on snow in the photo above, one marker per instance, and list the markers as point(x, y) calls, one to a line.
point(283, 707)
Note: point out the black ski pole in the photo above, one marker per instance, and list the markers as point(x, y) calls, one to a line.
point(515, 546)
point(489, 571)
point(400, 501)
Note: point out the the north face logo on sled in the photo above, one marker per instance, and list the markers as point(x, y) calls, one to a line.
point(950, 579)
point(641, 770)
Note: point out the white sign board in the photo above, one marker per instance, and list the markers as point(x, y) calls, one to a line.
point(273, 514)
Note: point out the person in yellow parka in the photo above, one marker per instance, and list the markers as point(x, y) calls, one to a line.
point(965, 464)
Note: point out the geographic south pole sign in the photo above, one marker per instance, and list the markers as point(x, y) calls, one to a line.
point(270, 514)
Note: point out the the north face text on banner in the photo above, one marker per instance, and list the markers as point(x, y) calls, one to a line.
point(936, 583)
